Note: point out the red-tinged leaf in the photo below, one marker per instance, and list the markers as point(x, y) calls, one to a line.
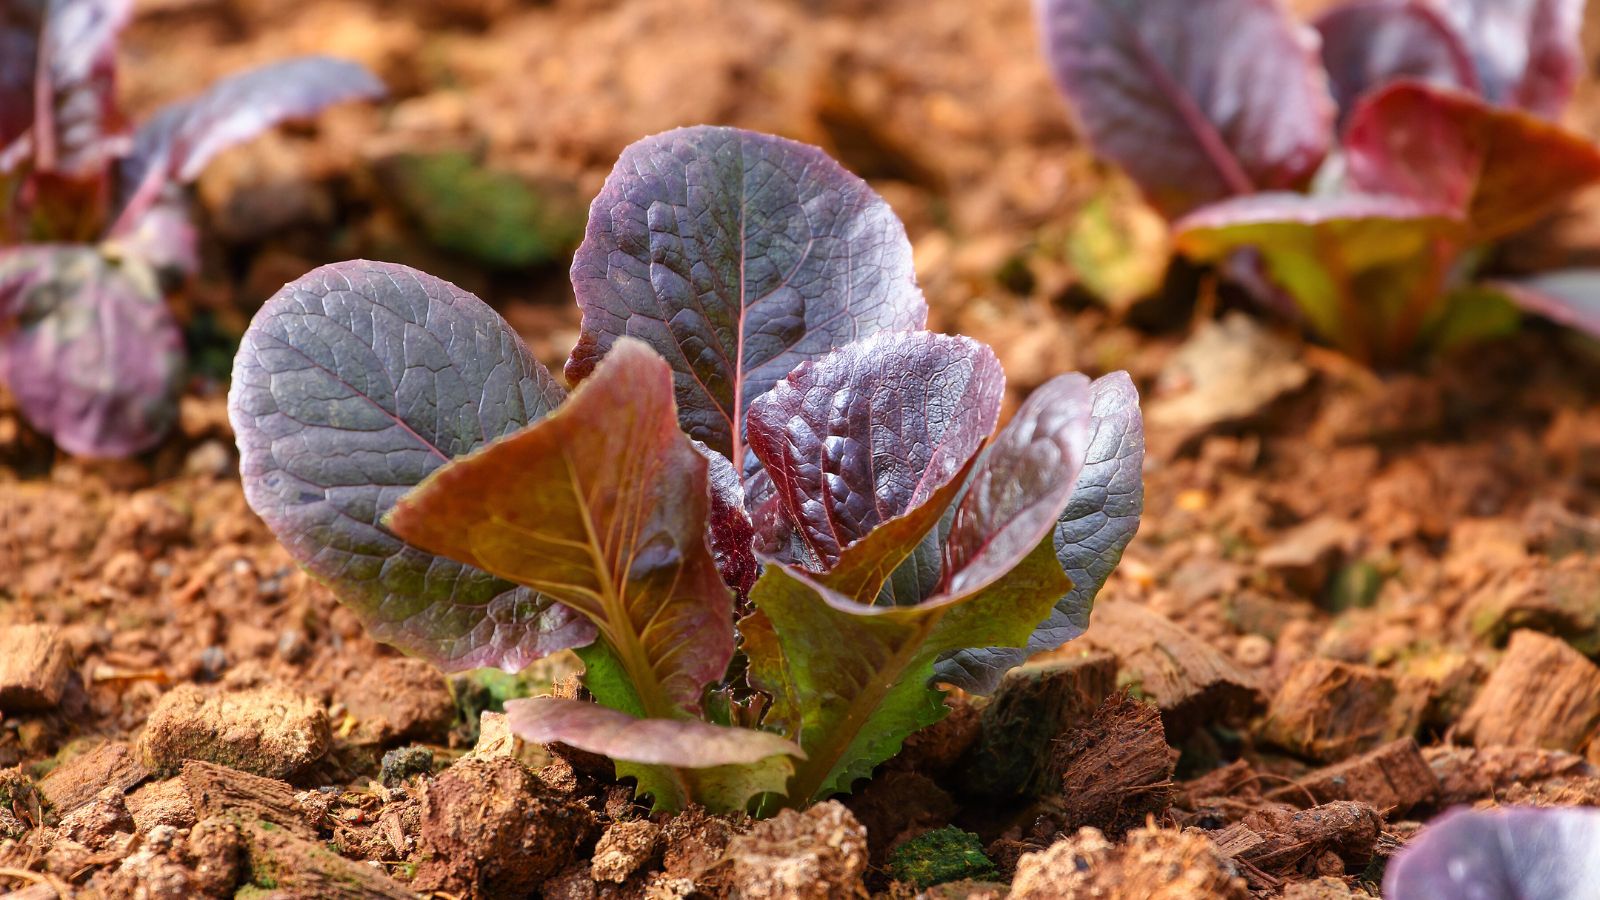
point(870, 432)
point(1197, 100)
point(1501, 167)
point(1099, 521)
point(1367, 44)
point(1570, 297)
point(603, 506)
point(1511, 853)
point(351, 385)
point(1527, 52)
point(76, 93)
point(176, 144)
point(90, 352)
point(1366, 271)
point(737, 256)
point(667, 742)
point(20, 24)
point(854, 677)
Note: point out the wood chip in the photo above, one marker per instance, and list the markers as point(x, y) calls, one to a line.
point(298, 866)
point(1542, 694)
point(76, 781)
point(220, 791)
point(1192, 682)
point(1394, 778)
point(1113, 771)
point(1328, 710)
point(1033, 706)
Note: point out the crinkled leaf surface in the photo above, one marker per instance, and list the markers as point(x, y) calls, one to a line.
point(176, 144)
point(351, 385)
point(602, 505)
point(731, 534)
point(1569, 296)
point(1511, 853)
point(1501, 167)
point(870, 432)
point(77, 103)
point(91, 352)
point(1197, 100)
point(1100, 519)
point(854, 678)
point(1369, 43)
point(1352, 262)
point(1527, 52)
point(736, 256)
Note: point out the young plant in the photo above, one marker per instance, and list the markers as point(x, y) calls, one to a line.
point(1225, 113)
point(771, 630)
point(98, 218)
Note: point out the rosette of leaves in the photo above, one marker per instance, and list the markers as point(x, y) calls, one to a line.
point(768, 630)
point(96, 222)
point(1355, 169)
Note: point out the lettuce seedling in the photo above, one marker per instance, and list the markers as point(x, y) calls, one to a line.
point(1355, 171)
point(1512, 853)
point(99, 220)
point(771, 629)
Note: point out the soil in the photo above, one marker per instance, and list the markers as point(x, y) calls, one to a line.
point(1356, 598)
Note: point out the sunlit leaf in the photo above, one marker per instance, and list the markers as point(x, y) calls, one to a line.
point(1501, 167)
point(353, 384)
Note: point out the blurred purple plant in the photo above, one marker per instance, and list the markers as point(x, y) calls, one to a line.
point(1357, 166)
point(1514, 853)
point(94, 221)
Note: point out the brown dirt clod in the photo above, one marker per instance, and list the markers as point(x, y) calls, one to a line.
point(625, 848)
point(1327, 710)
point(820, 854)
point(490, 828)
point(400, 699)
point(269, 731)
point(1152, 864)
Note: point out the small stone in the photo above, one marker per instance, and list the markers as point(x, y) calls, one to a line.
point(935, 857)
point(625, 848)
point(404, 762)
point(815, 855)
point(268, 730)
point(34, 665)
point(1252, 651)
point(495, 738)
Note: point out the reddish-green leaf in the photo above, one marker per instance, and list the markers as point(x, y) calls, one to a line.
point(351, 385)
point(1197, 100)
point(736, 256)
point(602, 505)
point(76, 109)
point(1568, 296)
point(1501, 168)
point(20, 23)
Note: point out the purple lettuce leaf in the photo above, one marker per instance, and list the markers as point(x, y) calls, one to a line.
point(728, 526)
point(852, 680)
point(720, 767)
point(1366, 271)
point(175, 145)
point(76, 111)
point(1198, 100)
point(351, 385)
point(1511, 853)
point(1502, 168)
point(602, 505)
point(869, 433)
point(1368, 43)
point(20, 24)
point(88, 348)
point(1099, 521)
point(1527, 52)
point(1570, 297)
point(737, 256)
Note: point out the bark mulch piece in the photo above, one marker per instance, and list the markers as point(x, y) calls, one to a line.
point(34, 665)
point(1113, 771)
point(220, 791)
point(1152, 862)
point(1277, 842)
point(1542, 694)
point(77, 781)
point(296, 866)
point(1034, 704)
point(1193, 683)
point(1394, 778)
point(1328, 710)
point(1470, 774)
